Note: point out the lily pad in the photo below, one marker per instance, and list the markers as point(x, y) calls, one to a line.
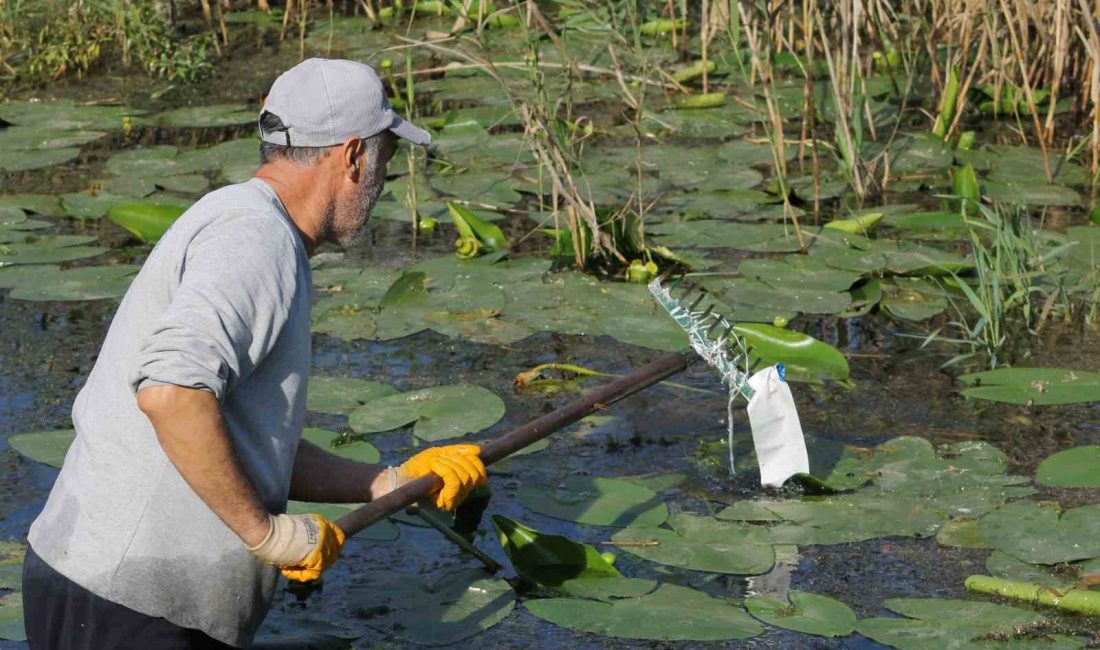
point(1042, 386)
point(961, 533)
point(1003, 565)
point(37, 137)
point(383, 531)
point(940, 624)
point(702, 544)
point(1040, 533)
point(43, 204)
point(912, 299)
point(761, 238)
point(549, 560)
point(671, 613)
point(439, 413)
point(806, 612)
point(17, 160)
point(11, 617)
point(854, 517)
point(66, 114)
point(342, 395)
point(598, 502)
point(12, 554)
point(49, 249)
point(357, 450)
point(1072, 468)
point(455, 606)
point(213, 115)
point(47, 447)
point(79, 283)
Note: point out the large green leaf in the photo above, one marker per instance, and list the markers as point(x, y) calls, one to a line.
point(11, 617)
point(597, 501)
point(43, 204)
point(12, 554)
point(341, 395)
point(549, 560)
point(78, 283)
point(913, 492)
point(206, 116)
point(67, 114)
point(671, 613)
point(1074, 468)
point(440, 412)
point(941, 624)
point(848, 518)
point(1040, 533)
point(38, 137)
point(343, 446)
point(48, 249)
point(702, 544)
point(455, 606)
point(146, 221)
point(961, 533)
point(806, 612)
point(1043, 386)
point(47, 447)
point(770, 238)
point(804, 357)
point(17, 160)
point(1062, 577)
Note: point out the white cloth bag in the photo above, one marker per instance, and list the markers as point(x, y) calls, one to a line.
point(776, 431)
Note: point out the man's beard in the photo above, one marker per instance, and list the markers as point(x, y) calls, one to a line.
point(346, 221)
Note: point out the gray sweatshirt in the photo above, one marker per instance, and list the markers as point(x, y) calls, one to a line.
point(222, 304)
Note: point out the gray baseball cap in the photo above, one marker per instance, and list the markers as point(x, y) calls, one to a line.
point(323, 102)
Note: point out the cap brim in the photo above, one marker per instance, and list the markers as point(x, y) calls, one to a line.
point(409, 131)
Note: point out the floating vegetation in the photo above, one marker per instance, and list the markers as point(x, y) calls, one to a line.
point(701, 544)
point(455, 605)
point(1042, 533)
point(1043, 386)
point(671, 613)
point(806, 612)
point(933, 624)
point(436, 413)
point(1072, 468)
point(598, 502)
point(48, 447)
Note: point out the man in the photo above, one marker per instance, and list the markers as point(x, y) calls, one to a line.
point(164, 529)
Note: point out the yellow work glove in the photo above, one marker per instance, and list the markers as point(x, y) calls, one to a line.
point(302, 546)
point(458, 466)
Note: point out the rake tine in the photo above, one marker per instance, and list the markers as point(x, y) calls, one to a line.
point(690, 287)
point(718, 320)
point(697, 301)
point(729, 332)
point(706, 314)
point(680, 277)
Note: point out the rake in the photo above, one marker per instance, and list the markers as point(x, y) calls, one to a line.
point(712, 338)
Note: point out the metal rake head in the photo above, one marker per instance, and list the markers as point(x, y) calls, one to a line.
point(710, 320)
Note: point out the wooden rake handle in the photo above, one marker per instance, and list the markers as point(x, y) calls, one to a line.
point(516, 439)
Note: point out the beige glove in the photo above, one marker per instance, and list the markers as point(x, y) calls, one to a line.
point(302, 546)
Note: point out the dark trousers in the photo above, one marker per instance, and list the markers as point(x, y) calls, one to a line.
point(61, 615)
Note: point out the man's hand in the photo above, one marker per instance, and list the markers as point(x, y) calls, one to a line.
point(302, 546)
point(458, 466)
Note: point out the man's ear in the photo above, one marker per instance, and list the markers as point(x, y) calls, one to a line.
point(351, 156)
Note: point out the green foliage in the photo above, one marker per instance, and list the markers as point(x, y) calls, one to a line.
point(47, 39)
